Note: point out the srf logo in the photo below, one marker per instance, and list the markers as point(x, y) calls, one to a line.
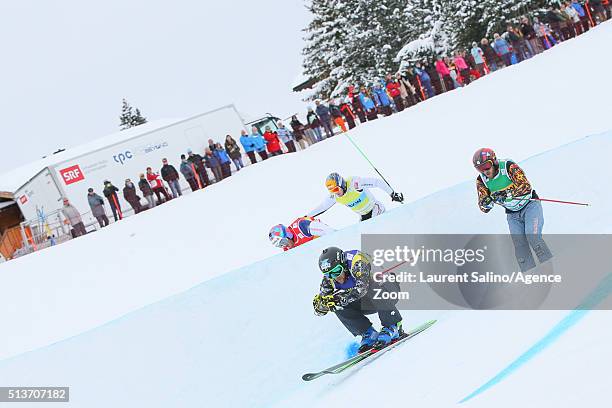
point(72, 174)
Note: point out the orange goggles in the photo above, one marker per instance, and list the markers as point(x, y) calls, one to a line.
point(333, 187)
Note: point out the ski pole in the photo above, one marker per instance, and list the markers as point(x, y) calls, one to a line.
point(547, 200)
point(368, 160)
point(558, 201)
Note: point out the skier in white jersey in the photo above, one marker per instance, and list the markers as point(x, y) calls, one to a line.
point(354, 193)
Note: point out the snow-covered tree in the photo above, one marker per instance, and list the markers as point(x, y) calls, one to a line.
point(326, 37)
point(138, 119)
point(431, 32)
point(130, 117)
point(497, 14)
point(359, 41)
point(378, 32)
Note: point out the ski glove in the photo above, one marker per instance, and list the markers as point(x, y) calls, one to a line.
point(325, 304)
point(399, 197)
point(501, 196)
point(487, 203)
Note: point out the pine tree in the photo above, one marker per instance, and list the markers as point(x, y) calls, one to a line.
point(324, 51)
point(431, 33)
point(359, 41)
point(378, 33)
point(496, 14)
point(125, 120)
point(138, 119)
point(130, 118)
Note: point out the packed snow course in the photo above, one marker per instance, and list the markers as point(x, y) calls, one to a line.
point(228, 325)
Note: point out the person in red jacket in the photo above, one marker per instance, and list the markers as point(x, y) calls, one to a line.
point(393, 88)
point(346, 110)
point(272, 142)
point(157, 185)
point(300, 231)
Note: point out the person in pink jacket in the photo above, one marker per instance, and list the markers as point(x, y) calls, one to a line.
point(463, 68)
point(444, 73)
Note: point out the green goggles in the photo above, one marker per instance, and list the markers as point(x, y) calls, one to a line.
point(334, 272)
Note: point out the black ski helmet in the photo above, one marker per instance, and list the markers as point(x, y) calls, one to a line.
point(330, 258)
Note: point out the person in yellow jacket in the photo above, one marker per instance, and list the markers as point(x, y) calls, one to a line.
point(354, 193)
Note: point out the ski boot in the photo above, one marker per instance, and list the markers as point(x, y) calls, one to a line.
point(388, 334)
point(368, 339)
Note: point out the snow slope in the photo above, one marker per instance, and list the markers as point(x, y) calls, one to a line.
point(246, 337)
point(520, 111)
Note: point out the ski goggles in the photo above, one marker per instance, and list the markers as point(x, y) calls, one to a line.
point(279, 242)
point(333, 187)
point(334, 272)
point(484, 166)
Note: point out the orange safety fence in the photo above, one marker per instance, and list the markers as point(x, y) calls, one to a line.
point(11, 241)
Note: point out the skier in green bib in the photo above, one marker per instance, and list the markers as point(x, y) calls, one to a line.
point(504, 183)
point(354, 193)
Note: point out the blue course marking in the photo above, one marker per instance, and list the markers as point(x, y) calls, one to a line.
point(600, 293)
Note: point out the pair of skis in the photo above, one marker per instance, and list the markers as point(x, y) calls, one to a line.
point(371, 353)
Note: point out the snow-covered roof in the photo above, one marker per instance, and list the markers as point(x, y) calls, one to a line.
point(299, 79)
point(11, 181)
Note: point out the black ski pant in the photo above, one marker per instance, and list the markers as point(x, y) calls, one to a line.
point(399, 103)
point(192, 183)
point(353, 315)
point(226, 170)
point(448, 83)
point(252, 157)
point(78, 229)
point(204, 179)
point(465, 74)
point(290, 146)
point(135, 204)
point(217, 172)
point(115, 211)
point(351, 121)
point(159, 191)
point(102, 220)
point(361, 115)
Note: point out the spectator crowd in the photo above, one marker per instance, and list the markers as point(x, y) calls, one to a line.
point(425, 79)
